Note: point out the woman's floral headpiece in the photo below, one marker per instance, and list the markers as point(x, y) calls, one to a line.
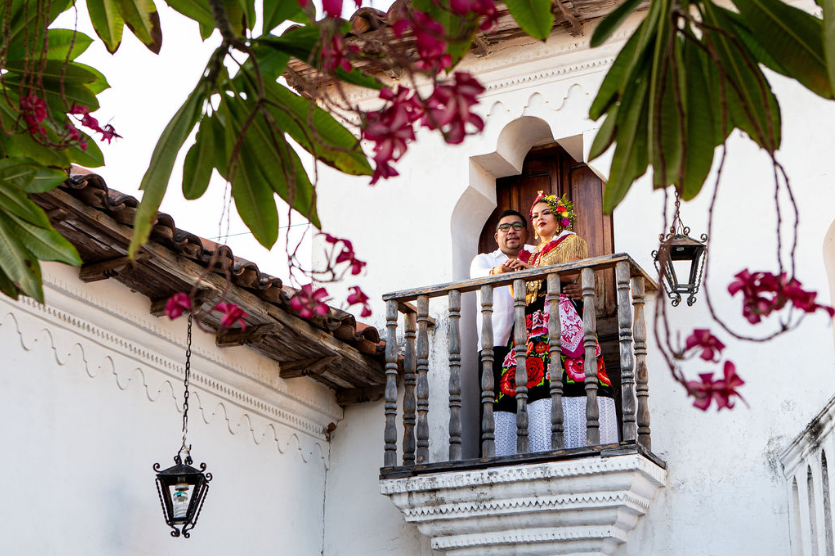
point(561, 208)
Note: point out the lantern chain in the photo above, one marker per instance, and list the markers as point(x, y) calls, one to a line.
point(184, 448)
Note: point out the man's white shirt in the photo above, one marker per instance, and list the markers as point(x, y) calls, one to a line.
point(502, 300)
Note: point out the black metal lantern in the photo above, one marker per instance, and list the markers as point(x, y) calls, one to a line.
point(680, 260)
point(182, 488)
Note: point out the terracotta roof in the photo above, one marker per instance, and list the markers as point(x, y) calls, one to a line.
point(334, 349)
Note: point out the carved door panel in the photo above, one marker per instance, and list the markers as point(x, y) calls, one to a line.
point(552, 170)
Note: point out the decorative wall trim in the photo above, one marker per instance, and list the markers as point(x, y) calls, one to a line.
point(585, 505)
point(272, 416)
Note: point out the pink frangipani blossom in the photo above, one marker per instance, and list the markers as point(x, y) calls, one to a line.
point(710, 345)
point(765, 292)
point(231, 315)
point(357, 296)
point(721, 390)
point(308, 302)
point(177, 305)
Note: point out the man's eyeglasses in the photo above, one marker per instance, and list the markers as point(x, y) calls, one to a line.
point(518, 226)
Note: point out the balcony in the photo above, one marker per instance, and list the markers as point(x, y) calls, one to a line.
point(564, 501)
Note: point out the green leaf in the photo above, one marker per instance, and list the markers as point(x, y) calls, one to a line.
point(57, 71)
point(197, 10)
point(702, 137)
point(299, 42)
point(29, 175)
point(142, 18)
point(58, 46)
point(277, 12)
point(629, 161)
point(197, 170)
point(618, 75)
point(91, 157)
point(751, 103)
point(792, 37)
point(155, 181)
point(612, 21)
point(107, 22)
point(605, 135)
point(317, 132)
point(251, 190)
point(44, 242)
point(236, 15)
point(356, 77)
point(14, 201)
point(751, 43)
point(533, 16)
point(17, 262)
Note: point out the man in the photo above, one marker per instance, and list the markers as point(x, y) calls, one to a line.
point(511, 234)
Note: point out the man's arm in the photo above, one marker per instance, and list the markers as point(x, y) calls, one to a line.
point(481, 266)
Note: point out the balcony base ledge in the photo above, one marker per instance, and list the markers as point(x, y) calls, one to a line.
point(577, 506)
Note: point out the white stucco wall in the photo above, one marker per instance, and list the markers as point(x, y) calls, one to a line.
point(726, 494)
point(90, 399)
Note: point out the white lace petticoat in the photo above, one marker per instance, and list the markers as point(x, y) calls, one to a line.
point(539, 425)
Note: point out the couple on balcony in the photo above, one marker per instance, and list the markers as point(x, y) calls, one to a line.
point(550, 216)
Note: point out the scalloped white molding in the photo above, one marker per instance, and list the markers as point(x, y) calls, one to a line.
point(219, 391)
point(564, 507)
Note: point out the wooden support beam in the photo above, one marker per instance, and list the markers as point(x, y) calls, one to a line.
point(247, 336)
point(201, 298)
point(306, 367)
point(108, 269)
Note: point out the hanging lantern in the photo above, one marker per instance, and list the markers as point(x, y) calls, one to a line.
point(680, 260)
point(182, 488)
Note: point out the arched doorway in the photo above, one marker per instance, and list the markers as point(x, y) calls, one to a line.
point(551, 169)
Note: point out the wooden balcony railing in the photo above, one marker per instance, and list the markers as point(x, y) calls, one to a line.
point(632, 284)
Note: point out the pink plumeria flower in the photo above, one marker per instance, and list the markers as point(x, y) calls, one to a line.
point(232, 314)
point(308, 302)
point(177, 305)
point(356, 297)
point(709, 344)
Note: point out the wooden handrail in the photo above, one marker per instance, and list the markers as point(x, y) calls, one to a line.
point(594, 263)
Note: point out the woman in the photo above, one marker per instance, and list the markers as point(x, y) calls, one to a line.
point(551, 217)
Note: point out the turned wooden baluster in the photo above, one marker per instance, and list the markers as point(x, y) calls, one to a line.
point(409, 363)
point(590, 364)
point(422, 380)
point(454, 376)
point(520, 337)
point(390, 435)
point(641, 378)
point(488, 427)
point(554, 352)
point(627, 368)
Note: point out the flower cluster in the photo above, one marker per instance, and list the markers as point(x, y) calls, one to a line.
point(337, 54)
point(448, 109)
point(358, 297)
point(107, 132)
point(482, 8)
point(702, 339)
point(180, 303)
point(720, 390)
point(428, 33)
point(33, 111)
point(347, 254)
point(308, 302)
point(391, 129)
point(560, 207)
point(764, 292)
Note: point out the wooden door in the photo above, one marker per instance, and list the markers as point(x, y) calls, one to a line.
point(552, 170)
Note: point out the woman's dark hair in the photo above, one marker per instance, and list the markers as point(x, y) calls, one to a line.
point(511, 212)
